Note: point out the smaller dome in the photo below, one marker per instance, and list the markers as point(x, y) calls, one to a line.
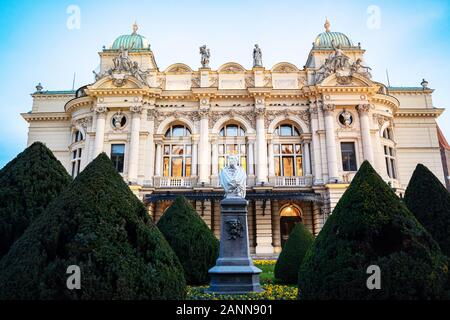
point(326, 39)
point(132, 41)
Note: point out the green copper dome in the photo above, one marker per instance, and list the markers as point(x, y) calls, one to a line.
point(132, 41)
point(327, 38)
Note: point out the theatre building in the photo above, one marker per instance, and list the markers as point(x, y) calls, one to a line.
point(300, 133)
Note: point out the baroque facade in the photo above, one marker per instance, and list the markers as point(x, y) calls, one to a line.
point(300, 134)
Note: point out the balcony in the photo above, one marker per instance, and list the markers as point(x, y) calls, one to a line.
point(172, 182)
point(303, 181)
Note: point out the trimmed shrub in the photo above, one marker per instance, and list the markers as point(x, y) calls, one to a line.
point(27, 186)
point(428, 199)
point(191, 239)
point(98, 224)
point(371, 226)
point(291, 257)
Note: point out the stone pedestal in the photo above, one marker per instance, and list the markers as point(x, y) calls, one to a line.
point(234, 272)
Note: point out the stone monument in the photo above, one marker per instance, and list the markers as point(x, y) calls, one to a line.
point(234, 272)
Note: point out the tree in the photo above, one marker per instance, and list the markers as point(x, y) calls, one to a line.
point(428, 199)
point(27, 186)
point(370, 226)
point(100, 226)
point(191, 239)
point(291, 257)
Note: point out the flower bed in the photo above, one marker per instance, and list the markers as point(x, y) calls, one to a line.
point(271, 292)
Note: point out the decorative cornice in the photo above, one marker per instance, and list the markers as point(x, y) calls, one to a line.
point(46, 116)
point(434, 113)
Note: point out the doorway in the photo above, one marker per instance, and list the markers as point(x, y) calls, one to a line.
point(290, 215)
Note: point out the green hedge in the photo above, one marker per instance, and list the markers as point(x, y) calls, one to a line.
point(98, 224)
point(27, 186)
point(291, 257)
point(429, 200)
point(191, 239)
point(371, 226)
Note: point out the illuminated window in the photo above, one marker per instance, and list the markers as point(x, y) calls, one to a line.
point(118, 156)
point(177, 160)
point(288, 160)
point(232, 142)
point(348, 156)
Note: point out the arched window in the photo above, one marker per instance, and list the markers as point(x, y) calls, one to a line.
point(287, 150)
point(177, 152)
point(232, 130)
point(232, 142)
point(178, 131)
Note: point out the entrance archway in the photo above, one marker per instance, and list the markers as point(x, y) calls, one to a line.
point(290, 215)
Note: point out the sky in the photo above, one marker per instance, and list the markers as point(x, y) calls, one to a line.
point(50, 41)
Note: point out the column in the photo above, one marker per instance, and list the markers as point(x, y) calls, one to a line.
point(215, 158)
point(363, 110)
point(204, 154)
point(150, 149)
point(307, 158)
point(251, 158)
point(331, 142)
point(158, 159)
point(261, 145)
point(271, 160)
point(194, 157)
point(100, 130)
point(133, 158)
point(276, 232)
point(318, 176)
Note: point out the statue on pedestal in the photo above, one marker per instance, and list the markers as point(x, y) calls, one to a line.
point(257, 57)
point(205, 55)
point(233, 179)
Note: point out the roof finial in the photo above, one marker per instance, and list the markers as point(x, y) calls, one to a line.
point(327, 25)
point(135, 27)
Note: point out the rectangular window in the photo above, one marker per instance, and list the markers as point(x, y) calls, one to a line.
point(118, 156)
point(348, 156)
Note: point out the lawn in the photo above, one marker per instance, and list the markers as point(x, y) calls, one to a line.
point(272, 289)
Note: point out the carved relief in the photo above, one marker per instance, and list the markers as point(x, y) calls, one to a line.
point(195, 82)
point(216, 116)
point(235, 228)
point(214, 81)
point(363, 108)
point(250, 82)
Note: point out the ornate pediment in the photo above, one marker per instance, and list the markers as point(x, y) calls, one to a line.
point(339, 64)
point(284, 67)
point(232, 67)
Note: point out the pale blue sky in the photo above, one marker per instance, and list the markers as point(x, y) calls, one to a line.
point(413, 42)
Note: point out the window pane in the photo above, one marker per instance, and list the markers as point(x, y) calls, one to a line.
point(394, 174)
point(286, 130)
point(288, 166)
point(232, 130)
point(73, 169)
point(241, 132)
point(222, 132)
point(232, 149)
point(244, 163)
point(177, 167)
point(188, 167)
point(298, 149)
point(78, 166)
point(221, 163)
point(79, 153)
point(221, 149)
point(348, 156)
point(177, 150)
point(188, 150)
point(243, 149)
point(277, 167)
point(296, 132)
point(166, 167)
point(287, 149)
point(299, 171)
point(276, 149)
point(178, 131)
point(166, 150)
point(117, 156)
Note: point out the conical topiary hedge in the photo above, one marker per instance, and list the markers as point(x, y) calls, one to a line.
point(99, 225)
point(191, 239)
point(291, 257)
point(371, 226)
point(428, 199)
point(27, 185)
